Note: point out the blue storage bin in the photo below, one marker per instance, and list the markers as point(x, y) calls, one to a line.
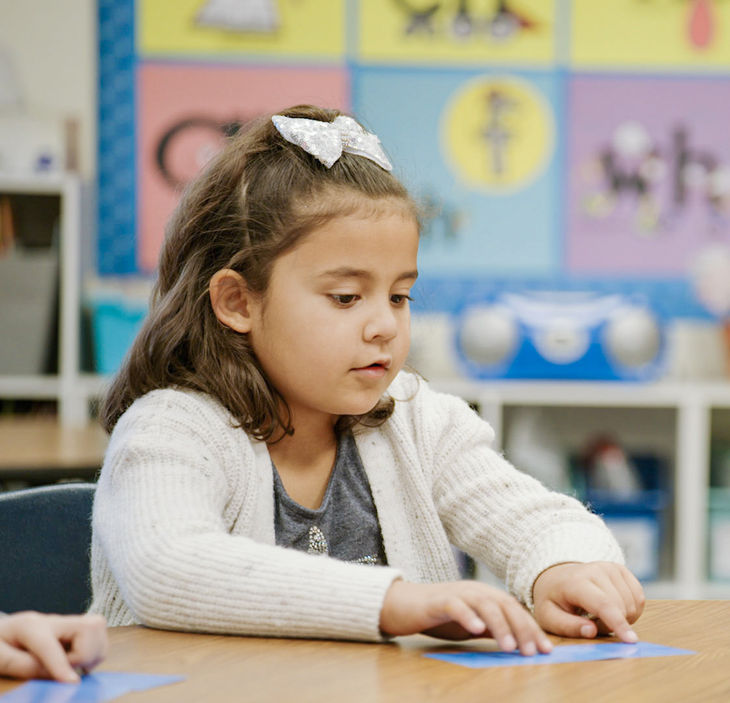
point(115, 324)
point(637, 520)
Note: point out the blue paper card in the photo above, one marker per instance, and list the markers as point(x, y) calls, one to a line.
point(560, 654)
point(94, 688)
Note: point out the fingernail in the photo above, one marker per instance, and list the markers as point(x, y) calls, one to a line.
point(547, 646)
point(530, 649)
point(477, 626)
point(631, 636)
point(72, 677)
point(587, 631)
point(508, 644)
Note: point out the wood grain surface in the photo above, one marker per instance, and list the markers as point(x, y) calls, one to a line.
point(220, 668)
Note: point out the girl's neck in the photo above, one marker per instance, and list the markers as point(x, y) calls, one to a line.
point(307, 444)
point(304, 462)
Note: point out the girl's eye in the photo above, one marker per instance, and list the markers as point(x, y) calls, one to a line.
point(400, 299)
point(347, 299)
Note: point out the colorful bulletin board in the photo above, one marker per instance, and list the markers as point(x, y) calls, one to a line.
point(395, 31)
point(556, 143)
point(181, 109)
point(231, 28)
point(641, 35)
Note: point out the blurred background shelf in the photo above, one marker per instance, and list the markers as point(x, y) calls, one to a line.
point(677, 422)
point(59, 231)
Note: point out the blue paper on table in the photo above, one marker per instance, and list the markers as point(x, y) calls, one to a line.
point(94, 688)
point(560, 654)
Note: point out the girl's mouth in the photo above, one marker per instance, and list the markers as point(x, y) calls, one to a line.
point(375, 370)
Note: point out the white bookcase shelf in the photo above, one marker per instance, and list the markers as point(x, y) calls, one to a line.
point(66, 385)
point(691, 403)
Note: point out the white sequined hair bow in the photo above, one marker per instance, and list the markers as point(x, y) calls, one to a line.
point(327, 140)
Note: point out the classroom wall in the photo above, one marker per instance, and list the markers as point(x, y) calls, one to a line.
point(52, 46)
point(563, 146)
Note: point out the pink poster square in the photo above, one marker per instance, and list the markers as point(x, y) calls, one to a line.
point(183, 112)
point(648, 173)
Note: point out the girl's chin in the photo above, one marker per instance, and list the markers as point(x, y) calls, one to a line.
point(357, 411)
point(360, 408)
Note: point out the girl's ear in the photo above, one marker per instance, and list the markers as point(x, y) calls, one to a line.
point(231, 300)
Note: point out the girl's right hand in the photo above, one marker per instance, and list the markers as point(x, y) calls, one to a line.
point(461, 610)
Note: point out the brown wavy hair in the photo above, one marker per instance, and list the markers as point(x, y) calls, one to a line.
point(253, 202)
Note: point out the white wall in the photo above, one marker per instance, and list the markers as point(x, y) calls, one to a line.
point(52, 46)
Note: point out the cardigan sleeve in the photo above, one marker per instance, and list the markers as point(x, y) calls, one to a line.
point(496, 513)
point(161, 525)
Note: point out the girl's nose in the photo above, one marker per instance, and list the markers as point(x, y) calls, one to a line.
point(381, 324)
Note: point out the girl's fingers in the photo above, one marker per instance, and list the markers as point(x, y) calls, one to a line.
point(561, 622)
point(19, 664)
point(602, 602)
point(499, 628)
point(86, 638)
point(501, 618)
point(457, 610)
point(513, 627)
point(460, 610)
point(44, 645)
point(635, 597)
point(41, 646)
point(580, 600)
point(625, 596)
point(627, 587)
point(616, 622)
point(530, 637)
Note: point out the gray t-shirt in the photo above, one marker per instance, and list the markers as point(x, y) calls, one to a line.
point(345, 525)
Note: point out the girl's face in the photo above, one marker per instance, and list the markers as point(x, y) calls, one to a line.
point(333, 328)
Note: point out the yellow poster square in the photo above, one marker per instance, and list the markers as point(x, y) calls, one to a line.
point(314, 28)
point(422, 31)
point(683, 34)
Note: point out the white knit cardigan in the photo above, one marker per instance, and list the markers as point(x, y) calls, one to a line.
point(183, 522)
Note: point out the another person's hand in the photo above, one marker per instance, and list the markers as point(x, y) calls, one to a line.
point(583, 600)
point(35, 645)
point(461, 610)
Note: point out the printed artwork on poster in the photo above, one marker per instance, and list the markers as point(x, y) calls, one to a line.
point(478, 151)
point(649, 179)
point(312, 28)
point(497, 133)
point(185, 112)
point(650, 33)
point(515, 31)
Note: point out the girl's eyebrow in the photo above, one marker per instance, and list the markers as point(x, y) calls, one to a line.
point(349, 272)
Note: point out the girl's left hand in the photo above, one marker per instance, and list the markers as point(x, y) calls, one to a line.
point(583, 600)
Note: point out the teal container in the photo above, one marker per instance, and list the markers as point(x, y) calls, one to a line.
point(719, 535)
point(115, 324)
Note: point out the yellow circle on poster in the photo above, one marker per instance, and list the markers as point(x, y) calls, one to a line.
point(497, 133)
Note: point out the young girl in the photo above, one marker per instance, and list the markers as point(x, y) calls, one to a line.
point(273, 471)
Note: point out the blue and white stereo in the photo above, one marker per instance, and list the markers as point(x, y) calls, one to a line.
point(560, 335)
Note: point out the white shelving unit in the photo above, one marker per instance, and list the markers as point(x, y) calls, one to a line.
point(68, 386)
point(692, 403)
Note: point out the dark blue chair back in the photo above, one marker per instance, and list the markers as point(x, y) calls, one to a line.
point(45, 536)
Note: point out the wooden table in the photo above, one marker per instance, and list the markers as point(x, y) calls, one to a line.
point(41, 450)
point(248, 669)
